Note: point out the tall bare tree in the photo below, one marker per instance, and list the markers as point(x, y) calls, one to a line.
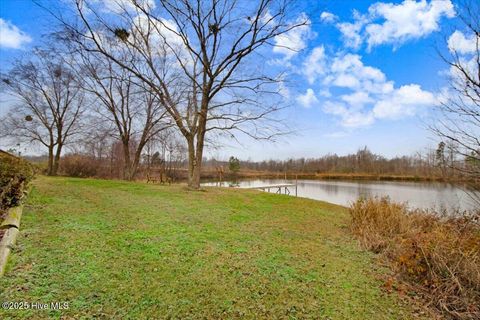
point(133, 111)
point(49, 106)
point(459, 121)
point(203, 59)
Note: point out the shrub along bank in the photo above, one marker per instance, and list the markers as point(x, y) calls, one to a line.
point(15, 173)
point(435, 256)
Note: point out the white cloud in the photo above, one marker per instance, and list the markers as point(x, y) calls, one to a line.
point(267, 18)
point(403, 102)
point(350, 117)
point(358, 119)
point(348, 71)
point(308, 99)
point(11, 36)
point(328, 17)
point(325, 93)
point(346, 81)
point(405, 21)
point(464, 47)
point(351, 31)
point(314, 64)
point(369, 95)
point(388, 23)
point(283, 90)
point(462, 44)
point(119, 6)
point(358, 98)
point(164, 30)
point(293, 41)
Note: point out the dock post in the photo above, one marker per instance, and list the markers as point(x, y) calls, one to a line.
point(296, 185)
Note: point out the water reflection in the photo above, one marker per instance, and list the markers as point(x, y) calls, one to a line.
point(417, 194)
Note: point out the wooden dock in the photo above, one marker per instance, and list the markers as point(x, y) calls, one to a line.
point(278, 188)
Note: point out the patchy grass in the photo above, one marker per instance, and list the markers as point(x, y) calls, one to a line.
point(114, 249)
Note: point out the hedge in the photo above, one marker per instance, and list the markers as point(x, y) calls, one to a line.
point(15, 174)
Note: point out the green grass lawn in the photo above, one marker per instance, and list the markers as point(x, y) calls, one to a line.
point(124, 250)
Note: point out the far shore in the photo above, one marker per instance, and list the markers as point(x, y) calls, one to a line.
point(212, 176)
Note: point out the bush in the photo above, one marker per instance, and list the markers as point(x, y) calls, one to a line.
point(15, 174)
point(438, 255)
point(376, 221)
point(79, 166)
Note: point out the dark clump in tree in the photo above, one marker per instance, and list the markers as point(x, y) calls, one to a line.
point(122, 34)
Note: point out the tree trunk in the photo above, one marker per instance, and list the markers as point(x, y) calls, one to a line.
point(195, 157)
point(195, 150)
point(127, 172)
point(192, 164)
point(50, 161)
point(196, 170)
point(56, 160)
point(111, 160)
point(136, 161)
point(198, 160)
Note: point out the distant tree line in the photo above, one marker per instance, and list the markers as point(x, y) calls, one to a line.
point(435, 163)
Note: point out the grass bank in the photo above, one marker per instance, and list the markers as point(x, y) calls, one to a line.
point(114, 249)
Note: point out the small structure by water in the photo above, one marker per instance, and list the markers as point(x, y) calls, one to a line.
point(278, 188)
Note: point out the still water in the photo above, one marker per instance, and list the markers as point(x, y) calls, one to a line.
point(422, 195)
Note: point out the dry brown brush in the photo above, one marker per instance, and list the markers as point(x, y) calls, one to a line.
point(435, 255)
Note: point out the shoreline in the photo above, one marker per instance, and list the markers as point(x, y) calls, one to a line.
point(338, 177)
point(209, 174)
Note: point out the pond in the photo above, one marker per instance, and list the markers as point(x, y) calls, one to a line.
point(422, 195)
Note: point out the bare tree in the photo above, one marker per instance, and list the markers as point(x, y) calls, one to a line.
point(49, 106)
point(166, 153)
point(201, 58)
point(95, 142)
point(133, 111)
point(459, 122)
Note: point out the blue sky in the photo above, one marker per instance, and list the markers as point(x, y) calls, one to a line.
point(364, 73)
